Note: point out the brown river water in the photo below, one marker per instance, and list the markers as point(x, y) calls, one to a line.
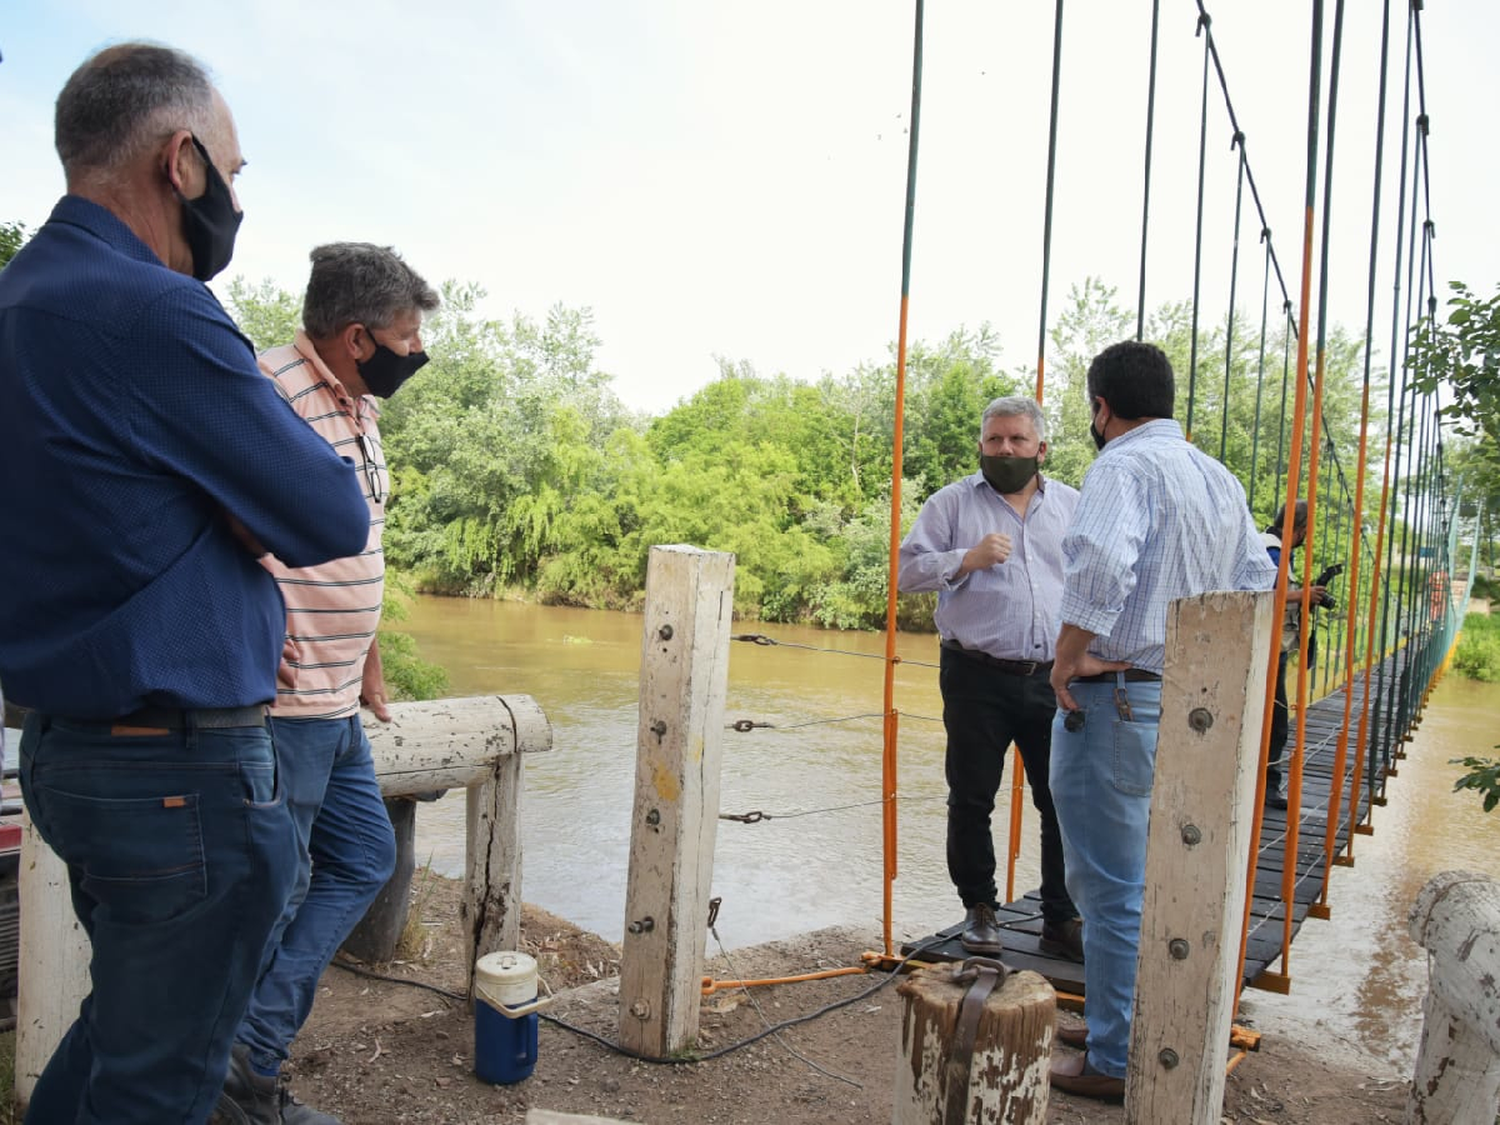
point(817, 860)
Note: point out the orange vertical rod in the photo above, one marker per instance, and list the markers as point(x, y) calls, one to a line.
point(1294, 455)
point(1335, 794)
point(1315, 450)
point(888, 757)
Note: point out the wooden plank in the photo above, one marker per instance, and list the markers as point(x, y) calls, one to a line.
point(684, 674)
point(1202, 816)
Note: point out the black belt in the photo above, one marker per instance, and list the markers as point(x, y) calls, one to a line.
point(1132, 675)
point(183, 718)
point(1014, 667)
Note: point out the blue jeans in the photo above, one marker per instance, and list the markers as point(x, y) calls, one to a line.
point(343, 829)
point(180, 855)
point(1101, 784)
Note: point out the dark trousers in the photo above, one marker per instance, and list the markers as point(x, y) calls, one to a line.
point(1279, 727)
point(984, 711)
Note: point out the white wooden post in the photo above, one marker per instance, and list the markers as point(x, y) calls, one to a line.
point(475, 743)
point(1202, 813)
point(1457, 1079)
point(54, 960)
point(684, 673)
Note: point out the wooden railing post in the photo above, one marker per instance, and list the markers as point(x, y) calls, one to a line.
point(1457, 1079)
point(684, 674)
point(54, 960)
point(1202, 813)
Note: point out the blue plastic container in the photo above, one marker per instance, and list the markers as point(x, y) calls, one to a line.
point(505, 1020)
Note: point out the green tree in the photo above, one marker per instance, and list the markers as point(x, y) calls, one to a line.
point(12, 237)
point(1464, 353)
point(265, 312)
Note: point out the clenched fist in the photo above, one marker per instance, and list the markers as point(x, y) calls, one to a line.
point(990, 551)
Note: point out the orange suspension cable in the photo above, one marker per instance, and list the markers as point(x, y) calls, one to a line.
point(1294, 459)
point(888, 756)
point(1335, 793)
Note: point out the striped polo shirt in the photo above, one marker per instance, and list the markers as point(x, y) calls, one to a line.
point(332, 610)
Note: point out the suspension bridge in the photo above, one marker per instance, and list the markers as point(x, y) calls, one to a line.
point(1361, 691)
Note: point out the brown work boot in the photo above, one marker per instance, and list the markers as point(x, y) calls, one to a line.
point(981, 935)
point(1063, 939)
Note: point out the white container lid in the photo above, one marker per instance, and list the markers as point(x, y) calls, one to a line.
point(506, 978)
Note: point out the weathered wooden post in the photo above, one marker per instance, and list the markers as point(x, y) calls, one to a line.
point(975, 1046)
point(1202, 815)
point(1456, 918)
point(684, 673)
point(54, 960)
point(473, 743)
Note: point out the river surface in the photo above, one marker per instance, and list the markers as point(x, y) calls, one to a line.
point(817, 860)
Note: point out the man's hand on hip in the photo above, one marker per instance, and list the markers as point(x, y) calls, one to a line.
point(1075, 660)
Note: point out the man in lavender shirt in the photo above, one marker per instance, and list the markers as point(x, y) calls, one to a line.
point(991, 546)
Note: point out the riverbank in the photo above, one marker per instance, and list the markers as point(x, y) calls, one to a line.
point(379, 1052)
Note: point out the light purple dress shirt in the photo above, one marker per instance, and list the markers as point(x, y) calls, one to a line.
point(1010, 610)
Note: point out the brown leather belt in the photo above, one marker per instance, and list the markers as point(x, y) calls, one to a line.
point(1014, 667)
point(1132, 675)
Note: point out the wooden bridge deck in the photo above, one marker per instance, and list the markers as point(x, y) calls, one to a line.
point(1022, 922)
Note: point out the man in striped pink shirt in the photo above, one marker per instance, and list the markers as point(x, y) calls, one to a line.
point(361, 339)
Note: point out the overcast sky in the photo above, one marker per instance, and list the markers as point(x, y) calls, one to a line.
point(728, 178)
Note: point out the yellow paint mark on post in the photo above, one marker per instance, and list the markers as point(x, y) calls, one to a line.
point(668, 788)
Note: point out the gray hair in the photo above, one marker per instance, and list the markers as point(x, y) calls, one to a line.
point(1015, 406)
point(359, 282)
point(124, 99)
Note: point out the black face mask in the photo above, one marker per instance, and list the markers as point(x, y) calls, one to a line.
point(1007, 475)
point(385, 371)
point(1097, 435)
point(210, 222)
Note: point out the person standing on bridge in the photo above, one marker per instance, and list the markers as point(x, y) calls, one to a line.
point(146, 462)
point(1157, 520)
point(991, 546)
point(1291, 635)
point(361, 338)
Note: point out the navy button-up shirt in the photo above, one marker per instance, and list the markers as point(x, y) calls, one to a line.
point(133, 424)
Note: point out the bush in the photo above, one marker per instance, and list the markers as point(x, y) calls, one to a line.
point(1478, 655)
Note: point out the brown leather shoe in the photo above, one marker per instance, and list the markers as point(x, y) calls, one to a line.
point(1063, 939)
point(1072, 1075)
point(981, 934)
point(1073, 1035)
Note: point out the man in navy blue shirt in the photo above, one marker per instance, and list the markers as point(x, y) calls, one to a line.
point(146, 465)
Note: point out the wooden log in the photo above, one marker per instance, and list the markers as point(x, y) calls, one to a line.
point(1008, 1049)
point(1197, 856)
point(684, 673)
point(453, 743)
point(54, 960)
point(1457, 1077)
point(474, 742)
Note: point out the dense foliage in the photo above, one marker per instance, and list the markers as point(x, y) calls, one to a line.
point(12, 237)
point(518, 470)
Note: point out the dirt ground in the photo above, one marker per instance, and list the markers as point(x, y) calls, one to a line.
point(376, 1052)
